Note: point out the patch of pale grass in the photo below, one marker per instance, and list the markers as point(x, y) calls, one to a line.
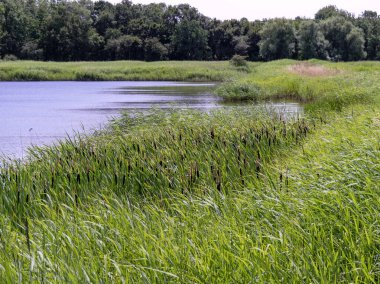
point(312, 70)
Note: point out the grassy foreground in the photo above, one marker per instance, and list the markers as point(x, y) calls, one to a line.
point(228, 197)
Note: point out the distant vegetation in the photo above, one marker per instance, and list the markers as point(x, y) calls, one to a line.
point(119, 70)
point(86, 30)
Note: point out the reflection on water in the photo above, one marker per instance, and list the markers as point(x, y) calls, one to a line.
point(38, 113)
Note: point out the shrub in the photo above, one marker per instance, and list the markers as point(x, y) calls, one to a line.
point(10, 57)
point(239, 61)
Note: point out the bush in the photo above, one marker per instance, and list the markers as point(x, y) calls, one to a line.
point(10, 57)
point(240, 92)
point(239, 61)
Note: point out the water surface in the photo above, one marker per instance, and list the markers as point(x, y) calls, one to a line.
point(39, 113)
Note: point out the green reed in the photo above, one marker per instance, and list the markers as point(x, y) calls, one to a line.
point(223, 197)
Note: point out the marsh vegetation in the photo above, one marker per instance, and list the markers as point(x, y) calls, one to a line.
point(226, 196)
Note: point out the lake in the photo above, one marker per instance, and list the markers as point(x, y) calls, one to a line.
point(39, 113)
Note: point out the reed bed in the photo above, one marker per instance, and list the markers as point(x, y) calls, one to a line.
point(185, 157)
point(117, 71)
point(241, 196)
point(343, 84)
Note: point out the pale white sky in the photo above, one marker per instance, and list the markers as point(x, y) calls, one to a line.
point(259, 9)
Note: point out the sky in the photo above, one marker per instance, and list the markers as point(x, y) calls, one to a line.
point(260, 9)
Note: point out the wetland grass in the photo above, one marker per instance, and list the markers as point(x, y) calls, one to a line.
point(223, 197)
point(117, 71)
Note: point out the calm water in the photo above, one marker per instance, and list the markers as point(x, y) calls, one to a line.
point(38, 113)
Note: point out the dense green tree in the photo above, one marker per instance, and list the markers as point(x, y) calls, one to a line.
point(369, 22)
point(149, 23)
point(332, 11)
point(125, 47)
point(277, 40)
point(221, 40)
point(155, 50)
point(241, 45)
point(312, 43)
point(103, 16)
point(123, 15)
point(254, 38)
point(15, 26)
point(99, 30)
point(189, 41)
point(67, 31)
point(2, 27)
point(31, 50)
point(96, 44)
point(346, 42)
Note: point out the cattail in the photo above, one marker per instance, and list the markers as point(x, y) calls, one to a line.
point(27, 233)
point(219, 186)
point(241, 176)
point(244, 141)
point(257, 164)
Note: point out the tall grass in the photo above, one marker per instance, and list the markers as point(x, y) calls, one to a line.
point(326, 86)
point(223, 197)
point(116, 71)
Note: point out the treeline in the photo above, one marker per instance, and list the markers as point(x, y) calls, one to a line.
point(85, 30)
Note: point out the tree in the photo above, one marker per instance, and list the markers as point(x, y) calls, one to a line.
point(241, 45)
point(254, 39)
point(312, 43)
point(14, 28)
point(149, 24)
point(331, 11)
point(189, 41)
point(67, 31)
point(221, 40)
point(346, 42)
point(277, 40)
point(30, 50)
point(103, 17)
point(123, 14)
point(154, 50)
point(96, 45)
point(355, 45)
point(369, 22)
point(125, 47)
point(2, 28)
